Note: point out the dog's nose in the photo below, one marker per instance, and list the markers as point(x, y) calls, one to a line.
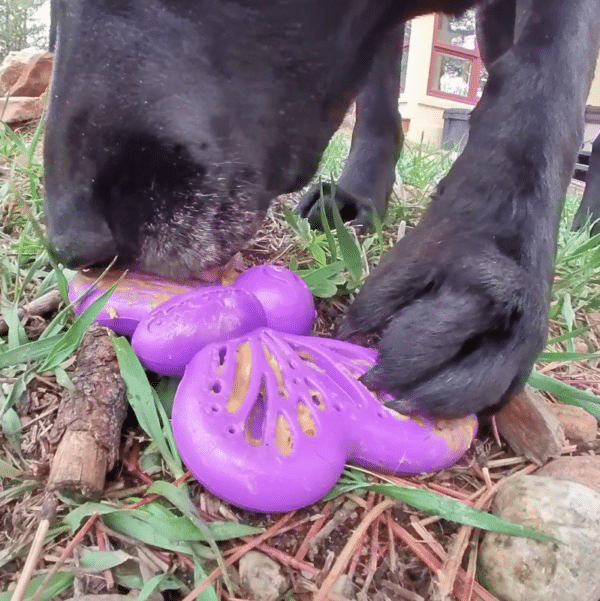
point(84, 246)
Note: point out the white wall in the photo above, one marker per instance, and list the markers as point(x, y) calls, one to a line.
point(426, 113)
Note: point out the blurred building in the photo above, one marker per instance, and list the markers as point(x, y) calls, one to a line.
point(442, 72)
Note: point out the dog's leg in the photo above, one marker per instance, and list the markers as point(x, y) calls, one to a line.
point(462, 300)
point(589, 209)
point(370, 171)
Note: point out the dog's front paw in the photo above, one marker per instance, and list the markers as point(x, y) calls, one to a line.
point(460, 322)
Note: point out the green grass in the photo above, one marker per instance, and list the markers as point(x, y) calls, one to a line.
point(334, 157)
point(334, 262)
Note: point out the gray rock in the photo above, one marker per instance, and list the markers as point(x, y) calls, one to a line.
point(261, 577)
point(520, 569)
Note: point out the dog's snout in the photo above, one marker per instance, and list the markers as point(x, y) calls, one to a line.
point(80, 245)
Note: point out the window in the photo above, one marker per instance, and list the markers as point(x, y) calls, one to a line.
point(456, 70)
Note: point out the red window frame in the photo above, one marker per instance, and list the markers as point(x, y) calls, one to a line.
point(472, 56)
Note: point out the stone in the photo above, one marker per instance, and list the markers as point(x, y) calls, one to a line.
point(584, 469)
point(261, 577)
point(530, 428)
point(579, 425)
point(20, 110)
point(521, 569)
point(12, 66)
point(34, 78)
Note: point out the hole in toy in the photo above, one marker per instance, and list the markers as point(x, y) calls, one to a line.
point(231, 430)
point(317, 398)
point(216, 387)
point(283, 435)
point(241, 383)
point(255, 422)
point(306, 421)
point(276, 368)
point(215, 408)
point(338, 408)
point(308, 359)
point(222, 355)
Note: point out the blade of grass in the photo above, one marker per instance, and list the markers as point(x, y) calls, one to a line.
point(179, 497)
point(8, 471)
point(379, 232)
point(349, 249)
point(326, 228)
point(16, 332)
point(71, 339)
point(58, 584)
point(567, 356)
point(29, 352)
point(146, 405)
point(569, 335)
point(566, 393)
point(159, 582)
point(136, 523)
point(313, 276)
point(16, 392)
point(455, 511)
point(98, 561)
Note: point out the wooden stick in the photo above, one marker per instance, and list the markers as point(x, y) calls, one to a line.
point(48, 511)
point(38, 306)
point(317, 525)
point(90, 420)
point(374, 555)
point(68, 549)
point(103, 546)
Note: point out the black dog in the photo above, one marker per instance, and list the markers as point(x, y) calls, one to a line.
point(173, 123)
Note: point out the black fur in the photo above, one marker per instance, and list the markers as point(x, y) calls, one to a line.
point(173, 123)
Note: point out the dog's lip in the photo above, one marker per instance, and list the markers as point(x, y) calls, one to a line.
point(209, 276)
point(223, 274)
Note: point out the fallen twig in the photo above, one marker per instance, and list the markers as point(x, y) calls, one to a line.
point(374, 555)
point(68, 550)
point(47, 515)
point(317, 525)
point(103, 546)
point(38, 306)
point(285, 558)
